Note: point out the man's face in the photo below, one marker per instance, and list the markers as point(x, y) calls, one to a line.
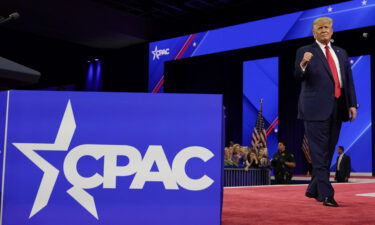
point(323, 32)
point(340, 151)
point(281, 147)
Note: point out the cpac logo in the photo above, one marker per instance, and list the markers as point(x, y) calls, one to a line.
point(172, 177)
point(159, 52)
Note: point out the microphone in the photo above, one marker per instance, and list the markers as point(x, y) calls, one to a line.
point(12, 16)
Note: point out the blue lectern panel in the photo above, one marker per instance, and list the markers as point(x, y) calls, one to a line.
point(112, 158)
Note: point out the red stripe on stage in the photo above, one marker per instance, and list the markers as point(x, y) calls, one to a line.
point(273, 125)
point(187, 43)
point(159, 85)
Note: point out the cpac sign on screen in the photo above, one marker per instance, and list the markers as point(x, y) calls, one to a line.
point(110, 158)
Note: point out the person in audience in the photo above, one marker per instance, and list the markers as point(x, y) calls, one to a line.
point(242, 160)
point(282, 164)
point(252, 160)
point(263, 158)
point(236, 156)
point(228, 157)
point(343, 166)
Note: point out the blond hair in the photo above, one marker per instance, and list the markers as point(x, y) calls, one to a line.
point(322, 20)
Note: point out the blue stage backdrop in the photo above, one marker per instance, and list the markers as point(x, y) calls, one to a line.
point(346, 16)
point(261, 81)
point(356, 137)
point(111, 158)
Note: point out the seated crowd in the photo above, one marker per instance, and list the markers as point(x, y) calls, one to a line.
point(237, 156)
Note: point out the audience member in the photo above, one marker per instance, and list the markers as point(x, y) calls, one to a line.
point(252, 160)
point(263, 157)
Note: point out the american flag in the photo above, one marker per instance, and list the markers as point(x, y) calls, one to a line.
point(259, 136)
point(305, 149)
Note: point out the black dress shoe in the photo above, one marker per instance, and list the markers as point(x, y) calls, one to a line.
point(330, 201)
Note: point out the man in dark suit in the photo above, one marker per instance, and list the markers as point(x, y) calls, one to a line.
point(343, 166)
point(327, 99)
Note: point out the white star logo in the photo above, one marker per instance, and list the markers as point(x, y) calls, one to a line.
point(155, 53)
point(62, 142)
point(159, 52)
point(330, 9)
point(364, 2)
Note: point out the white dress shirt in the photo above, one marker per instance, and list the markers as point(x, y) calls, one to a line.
point(322, 47)
point(339, 161)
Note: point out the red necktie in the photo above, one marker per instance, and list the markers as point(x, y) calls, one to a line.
point(334, 72)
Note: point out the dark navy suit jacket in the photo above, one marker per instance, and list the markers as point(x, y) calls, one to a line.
point(316, 100)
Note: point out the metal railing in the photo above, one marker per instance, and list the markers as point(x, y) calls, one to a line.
point(234, 177)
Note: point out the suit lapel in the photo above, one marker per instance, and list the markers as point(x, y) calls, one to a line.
point(323, 58)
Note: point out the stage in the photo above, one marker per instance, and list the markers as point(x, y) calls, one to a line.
point(287, 204)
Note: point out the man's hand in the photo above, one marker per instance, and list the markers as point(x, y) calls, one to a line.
point(352, 113)
point(306, 59)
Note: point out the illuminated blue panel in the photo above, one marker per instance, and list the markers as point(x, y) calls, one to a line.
point(347, 15)
point(87, 149)
point(247, 35)
point(260, 81)
point(356, 136)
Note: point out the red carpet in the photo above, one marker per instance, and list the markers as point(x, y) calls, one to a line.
point(288, 205)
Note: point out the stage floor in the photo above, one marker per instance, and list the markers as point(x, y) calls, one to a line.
point(287, 204)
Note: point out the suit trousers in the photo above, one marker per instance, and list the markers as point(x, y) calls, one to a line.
point(340, 177)
point(322, 137)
